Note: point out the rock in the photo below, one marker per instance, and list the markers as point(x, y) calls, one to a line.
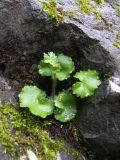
point(7, 95)
point(25, 33)
point(22, 135)
point(113, 3)
point(64, 156)
point(99, 119)
point(70, 154)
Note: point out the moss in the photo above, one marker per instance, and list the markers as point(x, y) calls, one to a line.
point(100, 1)
point(58, 14)
point(98, 14)
point(86, 6)
point(118, 9)
point(117, 43)
point(21, 131)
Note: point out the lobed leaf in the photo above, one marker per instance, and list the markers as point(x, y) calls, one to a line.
point(42, 107)
point(35, 99)
point(29, 94)
point(66, 67)
point(89, 82)
point(52, 59)
point(49, 65)
point(81, 90)
point(60, 66)
point(65, 107)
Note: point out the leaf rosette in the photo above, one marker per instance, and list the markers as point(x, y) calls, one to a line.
point(63, 105)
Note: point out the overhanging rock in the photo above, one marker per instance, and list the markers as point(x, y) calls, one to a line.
point(25, 33)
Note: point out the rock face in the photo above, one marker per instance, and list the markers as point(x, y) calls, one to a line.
point(25, 33)
point(99, 117)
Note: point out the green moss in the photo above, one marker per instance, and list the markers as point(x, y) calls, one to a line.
point(100, 1)
point(86, 6)
point(117, 43)
point(98, 14)
point(118, 9)
point(58, 14)
point(21, 131)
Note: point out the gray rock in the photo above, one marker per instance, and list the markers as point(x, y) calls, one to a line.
point(6, 96)
point(6, 92)
point(25, 33)
point(69, 154)
point(64, 156)
point(99, 119)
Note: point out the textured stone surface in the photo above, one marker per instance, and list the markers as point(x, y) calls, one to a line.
point(25, 33)
point(99, 119)
point(6, 95)
point(6, 92)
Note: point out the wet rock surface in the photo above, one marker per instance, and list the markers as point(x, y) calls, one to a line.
point(25, 33)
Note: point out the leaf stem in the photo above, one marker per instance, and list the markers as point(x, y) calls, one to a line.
point(54, 84)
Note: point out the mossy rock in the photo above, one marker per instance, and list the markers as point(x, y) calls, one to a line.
point(23, 135)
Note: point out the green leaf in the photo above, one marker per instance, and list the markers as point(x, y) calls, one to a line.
point(81, 90)
point(42, 107)
point(35, 99)
point(66, 67)
point(46, 69)
point(29, 94)
point(60, 66)
point(89, 82)
point(49, 66)
point(65, 107)
point(52, 59)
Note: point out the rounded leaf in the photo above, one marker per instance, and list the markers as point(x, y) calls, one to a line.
point(42, 107)
point(60, 66)
point(89, 82)
point(51, 58)
point(82, 90)
point(45, 69)
point(65, 107)
point(66, 67)
point(29, 94)
point(49, 65)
